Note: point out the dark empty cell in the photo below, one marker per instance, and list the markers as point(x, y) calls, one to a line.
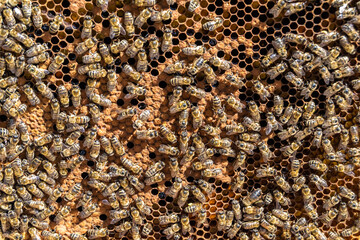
point(117, 61)
point(248, 60)
point(292, 99)
point(154, 64)
point(249, 68)
point(190, 32)
point(301, 20)
point(69, 39)
point(103, 217)
point(84, 175)
point(54, 40)
point(277, 26)
point(317, 28)
point(125, 91)
point(66, 12)
point(52, 87)
point(234, 35)
point(211, 7)
point(90, 163)
point(241, 47)
point(234, 52)
point(167, 55)
point(219, 3)
point(63, 44)
point(162, 84)
point(105, 14)
point(241, 13)
point(240, 5)
point(190, 179)
point(322, 98)
point(241, 22)
point(169, 199)
point(38, 32)
point(154, 191)
point(152, 155)
point(134, 101)
point(317, 19)
point(309, 24)
point(66, 78)
point(227, 32)
point(255, 30)
point(285, 88)
point(82, 85)
point(220, 54)
point(154, 72)
point(309, 16)
point(212, 42)
point(263, 51)
point(120, 102)
point(76, 25)
point(255, 14)
point(174, 6)
point(242, 97)
point(208, 88)
point(205, 39)
point(248, 18)
point(55, 48)
point(107, 40)
point(309, 7)
point(65, 3)
point(131, 61)
point(51, 13)
point(270, 81)
point(3, 118)
point(45, 27)
point(235, 61)
point(151, 30)
point(66, 62)
point(248, 35)
point(65, 70)
point(130, 144)
point(144, 34)
point(118, 70)
point(292, 91)
point(175, 41)
point(293, 25)
point(182, 36)
point(233, 18)
point(270, 31)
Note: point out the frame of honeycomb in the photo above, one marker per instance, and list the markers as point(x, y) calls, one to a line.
point(163, 129)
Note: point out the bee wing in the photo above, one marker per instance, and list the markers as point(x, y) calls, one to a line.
point(268, 129)
point(350, 173)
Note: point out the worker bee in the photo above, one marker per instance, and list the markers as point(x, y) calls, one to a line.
point(188, 156)
point(115, 27)
point(170, 231)
point(128, 164)
point(293, 38)
point(308, 198)
point(272, 123)
point(265, 171)
point(277, 70)
point(143, 17)
point(118, 147)
point(179, 106)
point(212, 24)
point(158, 16)
point(343, 212)
point(92, 57)
point(175, 188)
point(196, 92)
point(282, 183)
point(252, 197)
point(318, 165)
point(86, 45)
point(346, 45)
point(63, 95)
point(146, 134)
point(345, 168)
point(318, 181)
point(36, 15)
point(118, 46)
point(30, 94)
point(265, 151)
point(198, 117)
point(142, 63)
point(126, 113)
point(103, 4)
point(211, 172)
point(196, 66)
point(88, 24)
point(270, 58)
point(299, 182)
point(134, 91)
point(193, 5)
point(105, 53)
point(71, 150)
point(350, 31)
point(56, 23)
point(63, 212)
point(194, 50)
point(332, 201)
point(181, 80)
point(346, 193)
point(167, 40)
point(280, 47)
point(235, 104)
point(88, 211)
point(143, 208)
point(321, 52)
point(97, 233)
point(130, 71)
point(220, 63)
point(290, 149)
point(279, 6)
point(291, 8)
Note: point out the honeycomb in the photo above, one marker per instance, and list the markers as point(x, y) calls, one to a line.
point(247, 34)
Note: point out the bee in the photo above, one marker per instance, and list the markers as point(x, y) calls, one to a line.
point(84, 46)
point(117, 146)
point(97, 233)
point(85, 199)
point(123, 196)
point(277, 70)
point(10, 45)
point(350, 31)
point(292, 8)
point(179, 106)
point(177, 67)
point(88, 211)
point(142, 63)
point(194, 50)
point(346, 45)
point(343, 212)
point(269, 59)
point(199, 145)
point(318, 181)
point(212, 24)
point(175, 188)
point(193, 5)
point(346, 193)
point(167, 40)
point(30, 94)
point(235, 104)
point(260, 89)
point(334, 236)
point(282, 183)
point(272, 123)
point(265, 151)
point(126, 113)
point(220, 63)
point(318, 165)
point(128, 164)
point(73, 193)
point(265, 171)
point(210, 76)
point(115, 27)
point(174, 167)
point(278, 105)
point(349, 95)
point(189, 154)
point(196, 66)
point(118, 46)
point(198, 117)
point(57, 192)
point(44, 90)
point(345, 168)
point(146, 134)
point(252, 197)
point(268, 226)
point(181, 81)
point(63, 95)
point(63, 212)
point(196, 92)
point(106, 145)
point(183, 141)
point(94, 111)
point(105, 53)
point(71, 150)
point(56, 63)
point(212, 131)
point(55, 25)
point(36, 15)
point(342, 72)
point(88, 25)
point(130, 71)
point(76, 236)
point(294, 38)
point(279, 6)
point(158, 177)
point(170, 231)
point(154, 168)
point(144, 15)
point(103, 4)
point(38, 59)
point(279, 45)
point(211, 172)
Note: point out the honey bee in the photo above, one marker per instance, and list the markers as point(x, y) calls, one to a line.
point(272, 123)
point(342, 72)
point(97, 233)
point(142, 63)
point(211, 172)
point(175, 188)
point(118, 46)
point(103, 4)
point(235, 104)
point(118, 147)
point(170, 218)
point(194, 50)
point(188, 156)
point(198, 117)
point(279, 45)
point(146, 134)
point(270, 58)
point(183, 141)
point(143, 208)
point(265, 171)
point(85, 199)
point(36, 15)
point(170, 231)
point(278, 105)
point(71, 150)
point(193, 5)
point(212, 24)
point(279, 6)
point(210, 76)
point(220, 63)
point(30, 94)
point(88, 24)
point(318, 181)
point(84, 46)
point(318, 165)
point(349, 95)
point(277, 70)
point(174, 167)
point(196, 92)
point(88, 211)
point(115, 27)
point(130, 71)
point(144, 15)
point(334, 236)
point(346, 45)
point(123, 196)
point(345, 168)
point(167, 40)
point(181, 81)
point(326, 37)
point(128, 164)
point(292, 8)
point(126, 113)
point(196, 66)
point(343, 212)
point(55, 25)
point(76, 236)
point(260, 89)
point(350, 31)
point(50, 235)
point(179, 106)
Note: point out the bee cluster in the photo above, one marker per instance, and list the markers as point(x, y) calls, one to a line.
point(250, 165)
